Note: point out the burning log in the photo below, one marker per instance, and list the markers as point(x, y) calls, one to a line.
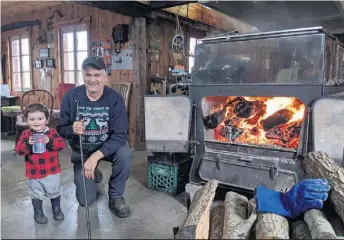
point(237, 224)
point(320, 165)
point(216, 222)
point(319, 226)
point(196, 224)
point(300, 230)
point(214, 119)
point(280, 117)
point(271, 225)
point(284, 132)
point(246, 109)
point(231, 133)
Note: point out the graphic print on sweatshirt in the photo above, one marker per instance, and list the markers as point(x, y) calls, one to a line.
point(96, 129)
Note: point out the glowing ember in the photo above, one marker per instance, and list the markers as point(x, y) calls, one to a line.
point(258, 120)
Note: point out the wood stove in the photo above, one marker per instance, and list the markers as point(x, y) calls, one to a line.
point(252, 96)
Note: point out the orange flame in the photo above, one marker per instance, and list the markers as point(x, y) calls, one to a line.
point(267, 120)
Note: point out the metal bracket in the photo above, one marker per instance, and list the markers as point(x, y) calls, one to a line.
point(273, 170)
point(218, 162)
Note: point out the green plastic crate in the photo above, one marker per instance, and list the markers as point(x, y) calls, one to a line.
point(168, 177)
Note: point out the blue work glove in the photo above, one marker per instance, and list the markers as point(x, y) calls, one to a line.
point(305, 195)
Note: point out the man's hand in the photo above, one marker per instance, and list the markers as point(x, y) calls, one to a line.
point(91, 164)
point(46, 139)
point(31, 142)
point(78, 127)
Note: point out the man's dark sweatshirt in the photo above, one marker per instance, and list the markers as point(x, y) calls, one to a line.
point(105, 121)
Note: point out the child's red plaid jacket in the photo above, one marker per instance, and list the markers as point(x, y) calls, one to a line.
point(40, 165)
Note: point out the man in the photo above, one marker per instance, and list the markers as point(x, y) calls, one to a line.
point(102, 120)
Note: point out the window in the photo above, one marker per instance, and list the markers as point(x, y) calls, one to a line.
point(20, 62)
point(74, 48)
point(192, 53)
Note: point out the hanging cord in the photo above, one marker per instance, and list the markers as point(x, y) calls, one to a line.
point(178, 36)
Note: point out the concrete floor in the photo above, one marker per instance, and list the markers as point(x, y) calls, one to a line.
point(154, 214)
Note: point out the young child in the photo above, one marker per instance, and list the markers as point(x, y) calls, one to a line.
point(42, 169)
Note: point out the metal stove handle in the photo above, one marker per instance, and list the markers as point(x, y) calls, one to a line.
point(245, 159)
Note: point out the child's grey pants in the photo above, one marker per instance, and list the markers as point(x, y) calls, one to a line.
point(45, 187)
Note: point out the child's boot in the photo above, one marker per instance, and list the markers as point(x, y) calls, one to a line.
point(55, 205)
point(38, 211)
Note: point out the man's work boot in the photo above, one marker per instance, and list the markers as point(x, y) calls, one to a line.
point(38, 211)
point(119, 207)
point(55, 206)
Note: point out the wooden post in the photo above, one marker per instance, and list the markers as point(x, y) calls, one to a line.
point(139, 79)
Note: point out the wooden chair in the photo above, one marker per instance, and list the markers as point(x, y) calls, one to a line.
point(124, 89)
point(33, 96)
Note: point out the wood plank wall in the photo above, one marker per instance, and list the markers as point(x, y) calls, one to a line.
point(101, 25)
point(163, 31)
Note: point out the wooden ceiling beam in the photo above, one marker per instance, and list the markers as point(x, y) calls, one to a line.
point(158, 5)
point(210, 17)
point(17, 25)
point(129, 8)
point(136, 9)
point(10, 8)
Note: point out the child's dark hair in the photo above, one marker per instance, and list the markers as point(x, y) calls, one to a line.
point(36, 107)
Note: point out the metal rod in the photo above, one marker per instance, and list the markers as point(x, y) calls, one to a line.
point(83, 176)
point(289, 31)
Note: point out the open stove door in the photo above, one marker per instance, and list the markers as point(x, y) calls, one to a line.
point(328, 127)
point(167, 123)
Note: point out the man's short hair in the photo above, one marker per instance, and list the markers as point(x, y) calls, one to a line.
point(36, 107)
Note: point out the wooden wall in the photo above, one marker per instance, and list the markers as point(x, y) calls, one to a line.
point(163, 31)
point(101, 24)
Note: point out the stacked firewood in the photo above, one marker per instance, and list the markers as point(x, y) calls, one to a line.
point(236, 217)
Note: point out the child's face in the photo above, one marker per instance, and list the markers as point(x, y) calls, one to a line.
point(37, 121)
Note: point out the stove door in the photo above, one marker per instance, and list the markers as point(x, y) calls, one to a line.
point(248, 171)
point(167, 123)
point(328, 127)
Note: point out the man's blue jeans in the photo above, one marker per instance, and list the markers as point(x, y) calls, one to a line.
point(121, 165)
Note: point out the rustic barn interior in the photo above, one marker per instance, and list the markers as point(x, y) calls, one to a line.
point(43, 44)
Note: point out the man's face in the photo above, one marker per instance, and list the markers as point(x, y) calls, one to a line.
point(94, 79)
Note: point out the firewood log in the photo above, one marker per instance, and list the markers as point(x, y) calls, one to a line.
point(214, 119)
point(319, 226)
point(280, 117)
point(216, 222)
point(196, 224)
point(320, 165)
point(272, 226)
point(251, 205)
point(300, 230)
point(237, 224)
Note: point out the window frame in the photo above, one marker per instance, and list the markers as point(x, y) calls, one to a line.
point(73, 28)
point(14, 37)
point(191, 59)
